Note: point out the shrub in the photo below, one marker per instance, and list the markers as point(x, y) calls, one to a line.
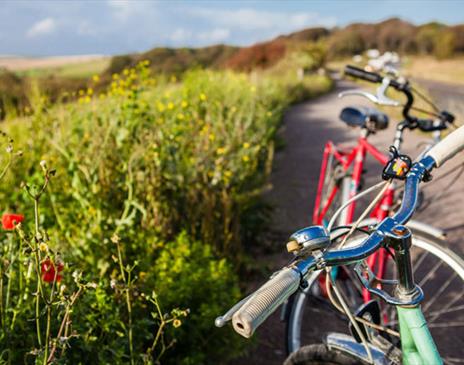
point(154, 179)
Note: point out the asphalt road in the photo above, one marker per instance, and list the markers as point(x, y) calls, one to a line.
point(306, 128)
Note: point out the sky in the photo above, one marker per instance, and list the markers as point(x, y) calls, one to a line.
point(67, 27)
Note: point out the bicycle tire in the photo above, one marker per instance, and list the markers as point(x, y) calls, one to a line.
point(320, 354)
point(430, 245)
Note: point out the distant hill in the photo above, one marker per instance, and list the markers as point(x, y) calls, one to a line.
point(390, 35)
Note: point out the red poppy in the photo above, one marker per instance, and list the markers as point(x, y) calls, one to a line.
point(48, 270)
point(9, 220)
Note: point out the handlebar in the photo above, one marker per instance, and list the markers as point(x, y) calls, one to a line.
point(426, 125)
point(261, 304)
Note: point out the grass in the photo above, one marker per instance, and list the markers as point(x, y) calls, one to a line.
point(154, 188)
point(83, 69)
point(426, 67)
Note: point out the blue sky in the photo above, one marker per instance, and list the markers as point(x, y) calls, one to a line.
point(39, 28)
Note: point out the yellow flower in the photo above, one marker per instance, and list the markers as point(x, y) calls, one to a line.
point(87, 99)
point(81, 92)
point(43, 247)
point(115, 76)
point(160, 107)
point(184, 104)
point(220, 150)
point(96, 78)
point(246, 145)
point(253, 89)
point(89, 91)
point(227, 173)
point(142, 275)
point(115, 238)
point(245, 158)
point(173, 78)
point(126, 72)
point(170, 106)
point(269, 114)
point(212, 137)
point(202, 97)
point(180, 116)
point(176, 323)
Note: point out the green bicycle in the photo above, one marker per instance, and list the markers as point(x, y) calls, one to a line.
point(314, 252)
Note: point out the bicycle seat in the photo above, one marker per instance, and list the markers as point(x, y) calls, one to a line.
point(364, 117)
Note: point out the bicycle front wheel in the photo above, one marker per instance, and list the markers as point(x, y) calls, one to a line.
point(437, 270)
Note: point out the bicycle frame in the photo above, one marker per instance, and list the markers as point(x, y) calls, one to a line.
point(417, 343)
point(354, 157)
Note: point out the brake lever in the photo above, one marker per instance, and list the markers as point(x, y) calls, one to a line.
point(363, 93)
point(222, 320)
point(381, 97)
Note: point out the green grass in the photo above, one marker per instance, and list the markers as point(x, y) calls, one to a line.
point(84, 69)
point(157, 187)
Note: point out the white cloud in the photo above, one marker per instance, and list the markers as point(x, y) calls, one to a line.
point(42, 27)
point(215, 35)
point(123, 10)
point(252, 19)
point(180, 35)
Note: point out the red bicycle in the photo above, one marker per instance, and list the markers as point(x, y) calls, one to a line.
point(340, 180)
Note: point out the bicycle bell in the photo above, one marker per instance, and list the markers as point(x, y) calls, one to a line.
point(308, 239)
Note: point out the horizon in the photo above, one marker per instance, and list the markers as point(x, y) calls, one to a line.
point(112, 27)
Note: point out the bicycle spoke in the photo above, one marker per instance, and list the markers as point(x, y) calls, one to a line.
point(438, 293)
point(450, 303)
point(419, 261)
point(453, 360)
point(439, 312)
point(430, 274)
point(446, 325)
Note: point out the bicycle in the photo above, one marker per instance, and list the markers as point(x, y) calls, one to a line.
point(316, 253)
point(428, 241)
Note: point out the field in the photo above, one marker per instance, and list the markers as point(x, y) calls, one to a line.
point(66, 66)
point(138, 200)
point(449, 71)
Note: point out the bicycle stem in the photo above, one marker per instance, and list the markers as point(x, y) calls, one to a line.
point(377, 238)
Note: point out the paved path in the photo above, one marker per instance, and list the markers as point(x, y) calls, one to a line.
point(305, 129)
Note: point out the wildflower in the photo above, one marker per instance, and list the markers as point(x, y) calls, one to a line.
point(269, 114)
point(246, 145)
point(253, 89)
point(9, 148)
point(180, 116)
point(202, 97)
point(96, 78)
point(184, 104)
point(43, 164)
point(50, 271)
point(81, 92)
point(160, 107)
point(170, 106)
point(245, 158)
point(92, 285)
point(115, 76)
point(176, 323)
point(89, 91)
point(212, 137)
point(115, 238)
point(9, 220)
point(43, 247)
point(220, 150)
point(126, 72)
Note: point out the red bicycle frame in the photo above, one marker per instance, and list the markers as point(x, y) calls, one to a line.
point(355, 157)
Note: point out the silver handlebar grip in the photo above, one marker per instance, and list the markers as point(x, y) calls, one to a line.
point(448, 147)
point(264, 301)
